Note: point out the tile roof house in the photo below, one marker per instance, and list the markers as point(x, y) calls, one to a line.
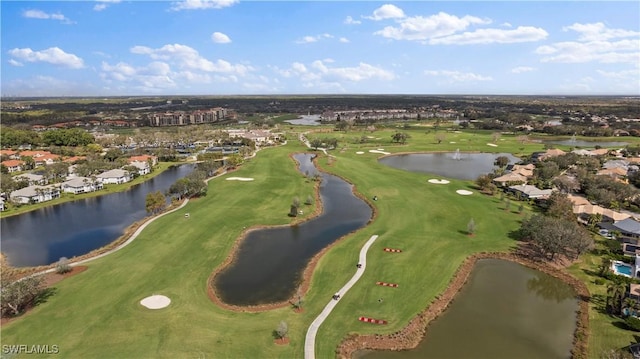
point(13, 165)
point(510, 178)
point(144, 158)
point(142, 166)
point(531, 192)
point(554, 152)
point(32, 178)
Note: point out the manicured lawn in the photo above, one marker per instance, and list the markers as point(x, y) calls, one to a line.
point(96, 314)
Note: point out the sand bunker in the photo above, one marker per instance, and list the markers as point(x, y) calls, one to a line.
point(464, 192)
point(452, 142)
point(380, 151)
point(360, 152)
point(492, 144)
point(156, 302)
point(239, 179)
point(438, 181)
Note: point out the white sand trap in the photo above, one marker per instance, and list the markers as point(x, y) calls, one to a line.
point(452, 142)
point(244, 179)
point(378, 151)
point(438, 181)
point(492, 144)
point(464, 192)
point(360, 152)
point(156, 301)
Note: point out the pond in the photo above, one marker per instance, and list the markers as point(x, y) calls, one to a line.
point(308, 120)
point(75, 228)
point(270, 262)
point(505, 310)
point(459, 165)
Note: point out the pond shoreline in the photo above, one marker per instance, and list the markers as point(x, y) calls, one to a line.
point(413, 333)
point(309, 269)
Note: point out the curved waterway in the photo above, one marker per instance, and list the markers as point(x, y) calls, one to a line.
point(505, 310)
point(269, 264)
point(459, 165)
point(75, 228)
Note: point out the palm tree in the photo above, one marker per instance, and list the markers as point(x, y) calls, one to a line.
point(615, 296)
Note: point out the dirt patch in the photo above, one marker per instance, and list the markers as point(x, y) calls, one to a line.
point(411, 335)
point(282, 341)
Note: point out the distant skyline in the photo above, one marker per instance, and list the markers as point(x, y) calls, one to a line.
point(229, 47)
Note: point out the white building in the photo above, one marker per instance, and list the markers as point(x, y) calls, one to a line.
point(35, 194)
point(81, 185)
point(114, 176)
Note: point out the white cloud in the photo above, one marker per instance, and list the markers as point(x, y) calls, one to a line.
point(507, 24)
point(103, 4)
point(310, 39)
point(424, 28)
point(321, 72)
point(39, 14)
point(150, 78)
point(52, 55)
point(386, 11)
point(492, 36)
point(202, 4)
point(521, 69)
point(186, 57)
point(15, 63)
point(344, 40)
point(598, 31)
point(595, 43)
point(220, 38)
point(350, 21)
point(457, 76)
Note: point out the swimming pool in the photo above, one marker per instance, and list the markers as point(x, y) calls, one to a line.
point(621, 268)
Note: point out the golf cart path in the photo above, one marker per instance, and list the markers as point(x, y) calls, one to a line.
point(310, 338)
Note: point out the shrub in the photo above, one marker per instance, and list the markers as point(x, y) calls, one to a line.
point(309, 200)
point(282, 330)
point(63, 266)
point(633, 323)
point(599, 281)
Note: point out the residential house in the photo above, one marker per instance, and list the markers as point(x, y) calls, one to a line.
point(554, 152)
point(10, 153)
point(143, 167)
point(32, 179)
point(531, 192)
point(45, 160)
point(13, 165)
point(629, 229)
point(616, 164)
point(618, 173)
point(510, 178)
point(115, 176)
point(35, 194)
point(144, 158)
point(81, 185)
point(75, 159)
point(1, 204)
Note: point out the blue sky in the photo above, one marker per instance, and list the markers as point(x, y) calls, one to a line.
point(224, 47)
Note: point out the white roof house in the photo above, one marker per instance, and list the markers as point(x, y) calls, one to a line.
point(32, 178)
point(81, 185)
point(532, 191)
point(115, 176)
point(35, 194)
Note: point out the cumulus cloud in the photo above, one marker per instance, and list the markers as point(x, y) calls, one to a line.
point(52, 55)
point(350, 21)
point(103, 4)
point(186, 57)
point(309, 39)
point(201, 4)
point(457, 76)
point(491, 36)
point(425, 28)
point(386, 11)
point(344, 40)
point(153, 77)
point(595, 43)
point(521, 69)
point(323, 72)
point(220, 38)
point(15, 63)
point(39, 14)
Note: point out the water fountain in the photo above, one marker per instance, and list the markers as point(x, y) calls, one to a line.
point(456, 156)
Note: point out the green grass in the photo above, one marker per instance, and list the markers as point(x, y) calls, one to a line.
point(96, 314)
point(69, 197)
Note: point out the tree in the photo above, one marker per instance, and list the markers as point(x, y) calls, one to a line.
point(520, 208)
point(502, 161)
point(234, 161)
point(552, 236)
point(309, 200)
point(112, 154)
point(29, 162)
point(440, 137)
point(485, 184)
point(400, 137)
point(296, 202)
point(315, 143)
point(342, 126)
point(17, 296)
point(495, 137)
point(471, 227)
point(155, 202)
point(63, 266)
point(282, 330)
point(560, 206)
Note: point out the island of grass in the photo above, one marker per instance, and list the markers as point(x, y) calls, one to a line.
point(97, 314)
